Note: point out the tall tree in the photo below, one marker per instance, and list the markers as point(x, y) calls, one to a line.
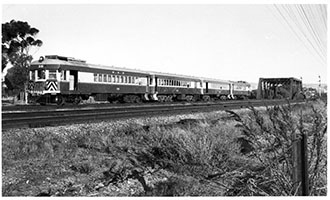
point(17, 40)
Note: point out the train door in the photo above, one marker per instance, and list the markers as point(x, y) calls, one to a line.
point(206, 87)
point(201, 87)
point(73, 80)
point(148, 84)
point(231, 91)
point(156, 84)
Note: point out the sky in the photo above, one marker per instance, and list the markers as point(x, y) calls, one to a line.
point(222, 41)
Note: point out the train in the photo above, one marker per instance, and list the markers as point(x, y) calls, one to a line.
point(60, 79)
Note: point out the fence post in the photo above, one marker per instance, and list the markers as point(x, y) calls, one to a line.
point(296, 161)
point(304, 166)
point(300, 164)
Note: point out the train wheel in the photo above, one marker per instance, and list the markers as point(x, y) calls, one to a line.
point(77, 100)
point(137, 99)
point(60, 100)
point(206, 98)
point(162, 98)
point(223, 98)
point(189, 98)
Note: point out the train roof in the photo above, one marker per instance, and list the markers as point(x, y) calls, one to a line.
point(69, 63)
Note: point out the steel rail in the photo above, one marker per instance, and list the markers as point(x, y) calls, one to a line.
point(66, 116)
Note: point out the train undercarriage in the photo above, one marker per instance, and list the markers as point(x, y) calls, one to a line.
point(62, 99)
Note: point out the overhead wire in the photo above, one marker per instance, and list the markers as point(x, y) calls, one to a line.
point(311, 37)
point(316, 30)
point(308, 23)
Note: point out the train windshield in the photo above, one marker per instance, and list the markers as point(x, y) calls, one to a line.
point(41, 74)
point(52, 74)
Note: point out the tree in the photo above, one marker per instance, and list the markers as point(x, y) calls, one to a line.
point(17, 40)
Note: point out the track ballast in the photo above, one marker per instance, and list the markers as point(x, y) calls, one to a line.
point(60, 116)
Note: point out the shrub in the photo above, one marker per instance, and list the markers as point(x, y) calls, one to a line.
point(270, 134)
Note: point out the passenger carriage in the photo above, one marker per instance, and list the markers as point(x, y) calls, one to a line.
point(58, 79)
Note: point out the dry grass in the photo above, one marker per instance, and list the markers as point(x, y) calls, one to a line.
point(219, 154)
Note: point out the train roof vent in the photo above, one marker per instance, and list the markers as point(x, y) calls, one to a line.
point(64, 58)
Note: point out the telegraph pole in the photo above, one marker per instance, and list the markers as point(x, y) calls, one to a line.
point(320, 85)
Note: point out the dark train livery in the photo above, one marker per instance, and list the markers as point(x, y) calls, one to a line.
point(58, 79)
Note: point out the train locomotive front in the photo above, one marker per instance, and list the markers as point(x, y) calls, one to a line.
point(58, 79)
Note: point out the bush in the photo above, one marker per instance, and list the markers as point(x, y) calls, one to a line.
point(270, 135)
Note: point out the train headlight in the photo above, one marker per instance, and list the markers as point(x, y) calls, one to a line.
point(41, 59)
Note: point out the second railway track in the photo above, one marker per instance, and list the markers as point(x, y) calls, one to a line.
point(52, 117)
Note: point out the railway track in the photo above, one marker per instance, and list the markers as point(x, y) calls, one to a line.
point(60, 116)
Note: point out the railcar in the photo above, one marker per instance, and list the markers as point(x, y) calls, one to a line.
point(59, 79)
point(241, 90)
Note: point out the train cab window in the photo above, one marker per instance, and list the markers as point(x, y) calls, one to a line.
point(52, 74)
point(32, 75)
point(41, 74)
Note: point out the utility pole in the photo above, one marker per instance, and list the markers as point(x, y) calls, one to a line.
point(320, 85)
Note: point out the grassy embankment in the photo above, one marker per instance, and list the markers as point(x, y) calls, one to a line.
point(221, 154)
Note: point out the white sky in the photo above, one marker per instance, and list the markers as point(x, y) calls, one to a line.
point(230, 42)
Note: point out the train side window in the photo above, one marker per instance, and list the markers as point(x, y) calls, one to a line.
point(95, 77)
point(100, 78)
point(104, 78)
point(129, 79)
point(41, 74)
point(63, 75)
point(109, 77)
